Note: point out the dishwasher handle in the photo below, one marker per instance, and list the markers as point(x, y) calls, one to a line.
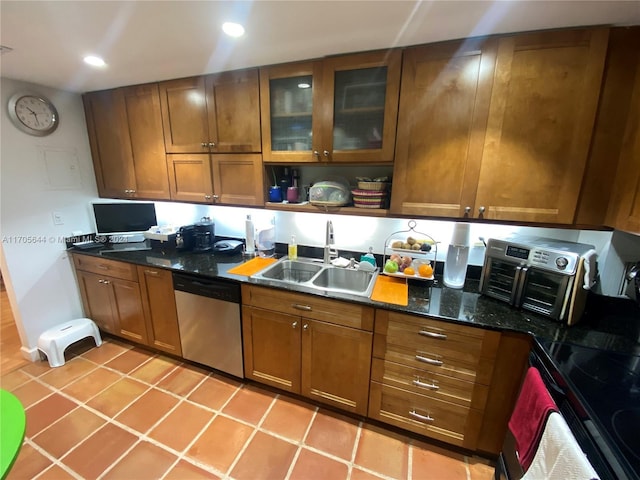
point(207, 287)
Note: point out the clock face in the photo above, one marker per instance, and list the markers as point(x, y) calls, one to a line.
point(33, 114)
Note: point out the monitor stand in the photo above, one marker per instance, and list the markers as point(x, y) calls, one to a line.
point(127, 238)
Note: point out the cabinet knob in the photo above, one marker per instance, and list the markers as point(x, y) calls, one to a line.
point(204, 145)
point(294, 324)
point(481, 211)
point(212, 144)
point(207, 197)
point(305, 327)
point(326, 153)
point(215, 198)
point(316, 153)
point(467, 210)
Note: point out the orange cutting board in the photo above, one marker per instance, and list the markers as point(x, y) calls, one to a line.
point(391, 290)
point(252, 266)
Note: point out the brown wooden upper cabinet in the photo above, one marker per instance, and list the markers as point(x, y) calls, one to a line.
point(444, 105)
point(339, 109)
point(624, 208)
point(218, 113)
point(521, 154)
point(127, 145)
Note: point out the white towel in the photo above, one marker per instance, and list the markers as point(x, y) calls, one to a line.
point(559, 456)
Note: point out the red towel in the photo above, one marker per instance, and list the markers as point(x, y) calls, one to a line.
point(529, 416)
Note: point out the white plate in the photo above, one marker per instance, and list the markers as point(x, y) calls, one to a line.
point(410, 277)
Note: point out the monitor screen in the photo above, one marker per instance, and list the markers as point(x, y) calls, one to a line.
point(121, 217)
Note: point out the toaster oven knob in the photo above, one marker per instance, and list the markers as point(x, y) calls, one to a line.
point(562, 263)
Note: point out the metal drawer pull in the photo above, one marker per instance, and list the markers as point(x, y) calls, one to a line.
point(152, 272)
point(103, 266)
point(426, 333)
point(430, 386)
point(430, 361)
point(422, 418)
point(301, 307)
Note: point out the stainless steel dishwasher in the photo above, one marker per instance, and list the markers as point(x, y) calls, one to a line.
point(209, 322)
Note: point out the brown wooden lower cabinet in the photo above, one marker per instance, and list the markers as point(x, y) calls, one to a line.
point(136, 303)
point(114, 304)
point(324, 360)
point(159, 304)
point(450, 382)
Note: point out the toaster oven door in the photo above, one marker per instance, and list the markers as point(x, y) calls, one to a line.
point(500, 279)
point(545, 292)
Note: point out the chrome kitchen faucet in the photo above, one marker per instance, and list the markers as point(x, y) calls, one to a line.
point(329, 252)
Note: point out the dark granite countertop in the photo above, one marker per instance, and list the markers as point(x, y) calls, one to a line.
point(608, 323)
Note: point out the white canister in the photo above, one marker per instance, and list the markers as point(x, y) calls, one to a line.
point(455, 266)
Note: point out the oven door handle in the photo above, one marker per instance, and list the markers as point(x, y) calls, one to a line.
point(518, 285)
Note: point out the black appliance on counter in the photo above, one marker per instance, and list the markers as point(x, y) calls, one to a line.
point(185, 238)
point(204, 233)
point(598, 394)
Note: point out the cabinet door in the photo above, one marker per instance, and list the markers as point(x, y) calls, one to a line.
point(238, 179)
point(159, 304)
point(444, 104)
point(290, 106)
point(360, 107)
point(624, 209)
point(336, 364)
point(184, 115)
point(144, 117)
point(128, 310)
point(272, 348)
point(98, 302)
point(110, 143)
point(233, 111)
point(542, 112)
point(190, 177)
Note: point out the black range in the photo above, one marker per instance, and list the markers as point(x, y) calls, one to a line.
point(598, 393)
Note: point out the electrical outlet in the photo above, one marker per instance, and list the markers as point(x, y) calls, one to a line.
point(57, 218)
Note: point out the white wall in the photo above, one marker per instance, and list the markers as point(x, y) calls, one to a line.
point(39, 176)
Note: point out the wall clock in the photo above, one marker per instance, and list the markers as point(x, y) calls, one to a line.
point(33, 114)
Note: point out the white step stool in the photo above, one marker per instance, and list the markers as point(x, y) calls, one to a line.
point(54, 342)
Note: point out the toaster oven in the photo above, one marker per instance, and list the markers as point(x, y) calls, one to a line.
point(547, 276)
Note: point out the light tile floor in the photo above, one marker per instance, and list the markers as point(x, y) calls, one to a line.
point(120, 412)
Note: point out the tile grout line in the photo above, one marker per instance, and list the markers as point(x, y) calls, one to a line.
point(55, 461)
point(253, 434)
point(410, 460)
point(301, 444)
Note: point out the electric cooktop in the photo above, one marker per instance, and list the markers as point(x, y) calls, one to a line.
point(604, 388)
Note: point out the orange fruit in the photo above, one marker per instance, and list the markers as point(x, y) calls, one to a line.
point(425, 270)
point(409, 271)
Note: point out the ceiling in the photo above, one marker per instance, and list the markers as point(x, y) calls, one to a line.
point(146, 41)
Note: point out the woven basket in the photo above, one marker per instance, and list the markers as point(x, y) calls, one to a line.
point(375, 186)
point(368, 198)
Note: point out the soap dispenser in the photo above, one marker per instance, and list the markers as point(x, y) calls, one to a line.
point(455, 266)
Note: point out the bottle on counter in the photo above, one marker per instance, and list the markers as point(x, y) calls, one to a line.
point(293, 248)
point(250, 247)
point(455, 266)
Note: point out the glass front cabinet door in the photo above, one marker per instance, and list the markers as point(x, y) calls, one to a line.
point(342, 109)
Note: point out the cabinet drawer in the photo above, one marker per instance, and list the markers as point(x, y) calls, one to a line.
point(112, 268)
point(445, 363)
point(309, 306)
point(434, 418)
point(430, 384)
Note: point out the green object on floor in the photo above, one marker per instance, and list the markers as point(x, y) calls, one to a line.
point(12, 426)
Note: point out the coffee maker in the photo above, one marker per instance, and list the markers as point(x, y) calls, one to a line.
point(185, 238)
point(204, 235)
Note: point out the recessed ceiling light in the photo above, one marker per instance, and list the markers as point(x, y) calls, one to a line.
point(304, 85)
point(94, 61)
point(233, 29)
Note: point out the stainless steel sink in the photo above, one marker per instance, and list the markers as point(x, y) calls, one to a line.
point(292, 271)
point(308, 274)
point(341, 279)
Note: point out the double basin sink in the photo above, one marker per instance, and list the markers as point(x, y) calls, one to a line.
point(313, 275)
